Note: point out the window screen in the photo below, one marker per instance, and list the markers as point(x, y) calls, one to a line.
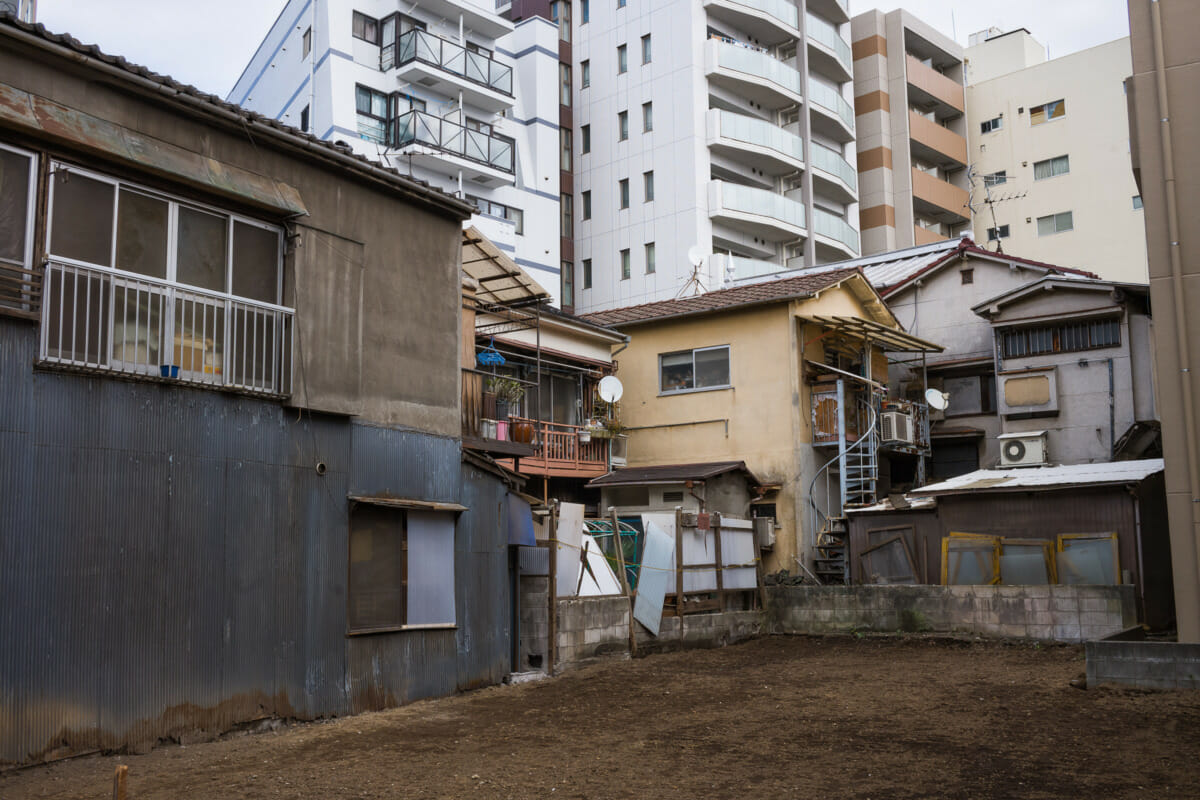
point(142, 234)
point(376, 578)
point(14, 204)
point(81, 221)
point(255, 262)
point(203, 243)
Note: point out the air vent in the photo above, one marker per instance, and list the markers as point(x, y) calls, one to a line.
point(672, 497)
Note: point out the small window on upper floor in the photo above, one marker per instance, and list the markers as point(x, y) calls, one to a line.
point(647, 117)
point(18, 182)
point(560, 15)
point(306, 43)
point(996, 178)
point(585, 12)
point(994, 124)
point(586, 210)
point(622, 125)
point(564, 74)
point(620, 3)
point(587, 273)
point(625, 264)
point(692, 370)
point(622, 59)
point(1137, 202)
point(967, 275)
point(1047, 112)
point(646, 49)
point(997, 233)
point(623, 192)
point(304, 119)
point(366, 28)
point(585, 74)
point(1056, 223)
point(585, 139)
point(1051, 168)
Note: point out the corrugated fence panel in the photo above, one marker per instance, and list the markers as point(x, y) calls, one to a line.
point(170, 560)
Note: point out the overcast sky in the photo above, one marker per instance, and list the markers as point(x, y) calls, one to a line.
point(208, 44)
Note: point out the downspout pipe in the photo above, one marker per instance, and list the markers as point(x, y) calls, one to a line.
point(1177, 289)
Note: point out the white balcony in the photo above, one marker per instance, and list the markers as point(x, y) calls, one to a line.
point(836, 10)
point(114, 322)
point(752, 73)
point(763, 213)
point(732, 268)
point(434, 143)
point(832, 114)
point(771, 22)
point(755, 142)
point(477, 15)
point(831, 231)
point(449, 68)
point(832, 174)
point(828, 52)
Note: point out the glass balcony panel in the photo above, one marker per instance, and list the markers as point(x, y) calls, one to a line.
point(833, 226)
point(825, 33)
point(831, 99)
point(763, 203)
point(750, 60)
point(419, 127)
point(831, 161)
point(752, 130)
point(417, 45)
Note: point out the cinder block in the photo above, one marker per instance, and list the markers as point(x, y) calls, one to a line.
point(1093, 603)
point(1067, 633)
point(1098, 619)
point(1014, 631)
point(1041, 632)
point(1066, 603)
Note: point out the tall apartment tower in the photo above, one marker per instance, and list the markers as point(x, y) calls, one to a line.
point(1049, 146)
point(713, 139)
point(448, 91)
point(912, 132)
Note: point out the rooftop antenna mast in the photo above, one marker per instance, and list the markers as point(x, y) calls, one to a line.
point(694, 283)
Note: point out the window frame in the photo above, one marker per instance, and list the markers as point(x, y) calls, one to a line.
point(304, 120)
point(565, 159)
point(564, 88)
point(626, 267)
point(585, 12)
point(647, 51)
point(999, 232)
point(306, 43)
point(1138, 203)
point(367, 18)
point(622, 126)
point(991, 125)
point(585, 73)
point(585, 139)
point(31, 207)
point(1054, 334)
point(1046, 110)
point(585, 210)
point(648, 186)
point(622, 59)
point(662, 392)
point(567, 222)
point(560, 15)
point(997, 178)
point(1052, 163)
point(567, 277)
point(623, 193)
point(384, 120)
point(587, 273)
point(647, 117)
point(1057, 230)
point(650, 258)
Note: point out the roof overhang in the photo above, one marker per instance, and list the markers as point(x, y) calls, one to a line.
point(387, 501)
point(672, 474)
point(501, 281)
point(888, 339)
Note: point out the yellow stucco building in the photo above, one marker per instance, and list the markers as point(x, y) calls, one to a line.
point(750, 374)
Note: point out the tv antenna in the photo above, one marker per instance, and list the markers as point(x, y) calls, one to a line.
point(989, 200)
point(696, 256)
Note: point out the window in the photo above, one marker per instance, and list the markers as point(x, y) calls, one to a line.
point(1047, 111)
point(996, 178)
point(401, 569)
point(994, 124)
point(560, 15)
point(648, 186)
point(585, 138)
point(568, 226)
point(650, 258)
point(564, 76)
point(1061, 338)
point(585, 12)
point(366, 28)
point(150, 284)
point(17, 203)
point(564, 161)
point(622, 60)
point(372, 107)
point(967, 275)
point(646, 49)
point(585, 74)
point(1137, 202)
point(971, 394)
point(625, 265)
point(997, 233)
point(620, 3)
point(304, 119)
point(306, 43)
point(1055, 223)
point(1051, 167)
point(704, 368)
point(623, 192)
point(568, 284)
point(647, 117)
point(587, 204)
point(587, 273)
point(514, 215)
point(622, 125)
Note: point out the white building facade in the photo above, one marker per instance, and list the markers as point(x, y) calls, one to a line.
point(714, 139)
point(1049, 149)
point(447, 91)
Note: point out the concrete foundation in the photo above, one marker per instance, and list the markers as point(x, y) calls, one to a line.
point(1147, 665)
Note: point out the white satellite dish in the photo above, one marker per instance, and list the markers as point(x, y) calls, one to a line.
point(696, 255)
point(611, 389)
point(937, 399)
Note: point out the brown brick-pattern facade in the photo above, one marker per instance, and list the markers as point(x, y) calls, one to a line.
point(871, 101)
point(877, 217)
point(870, 46)
point(874, 158)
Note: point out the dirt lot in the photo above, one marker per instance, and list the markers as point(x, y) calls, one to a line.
point(777, 717)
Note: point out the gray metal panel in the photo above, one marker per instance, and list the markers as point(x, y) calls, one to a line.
point(170, 560)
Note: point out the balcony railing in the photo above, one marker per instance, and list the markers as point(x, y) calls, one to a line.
point(829, 160)
point(832, 100)
point(777, 211)
point(835, 227)
point(417, 45)
point(780, 10)
point(825, 33)
point(757, 63)
point(758, 132)
point(559, 450)
point(123, 323)
point(418, 127)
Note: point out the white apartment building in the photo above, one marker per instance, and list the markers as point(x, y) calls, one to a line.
point(447, 91)
point(1049, 149)
point(719, 128)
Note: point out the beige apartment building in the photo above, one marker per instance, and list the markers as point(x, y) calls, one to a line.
point(1165, 125)
point(912, 132)
point(1049, 149)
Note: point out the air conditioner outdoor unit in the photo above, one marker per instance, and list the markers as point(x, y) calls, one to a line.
point(1023, 449)
point(896, 426)
point(764, 532)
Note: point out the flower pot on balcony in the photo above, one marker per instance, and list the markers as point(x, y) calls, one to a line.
point(523, 432)
point(489, 405)
point(502, 430)
point(585, 436)
point(501, 408)
point(169, 370)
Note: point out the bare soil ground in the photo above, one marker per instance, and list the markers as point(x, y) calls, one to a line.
point(776, 717)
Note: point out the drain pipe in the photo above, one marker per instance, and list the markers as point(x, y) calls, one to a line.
point(1177, 290)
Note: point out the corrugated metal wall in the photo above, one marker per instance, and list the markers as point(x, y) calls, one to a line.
point(170, 560)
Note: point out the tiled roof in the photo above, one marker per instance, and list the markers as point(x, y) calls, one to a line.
point(803, 285)
point(671, 473)
point(217, 107)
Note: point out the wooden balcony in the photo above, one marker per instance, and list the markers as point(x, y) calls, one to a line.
point(558, 452)
point(475, 434)
point(933, 91)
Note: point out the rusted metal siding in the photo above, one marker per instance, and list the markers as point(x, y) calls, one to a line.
point(171, 561)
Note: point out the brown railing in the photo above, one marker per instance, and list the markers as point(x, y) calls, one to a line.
point(825, 415)
point(560, 451)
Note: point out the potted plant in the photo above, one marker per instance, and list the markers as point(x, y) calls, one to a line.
point(508, 392)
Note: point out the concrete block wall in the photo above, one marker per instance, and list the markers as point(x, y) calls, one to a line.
point(1048, 613)
point(535, 622)
point(700, 630)
point(1148, 665)
point(591, 629)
